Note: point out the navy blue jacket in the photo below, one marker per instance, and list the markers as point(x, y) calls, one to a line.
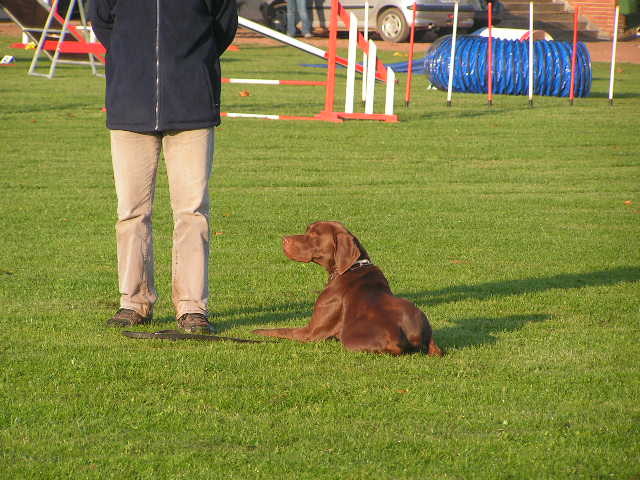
point(163, 68)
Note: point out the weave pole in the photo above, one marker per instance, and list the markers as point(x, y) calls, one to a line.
point(453, 53)
point(407, 95)
point(490, 56)
point(613, 54)
point(531, 54)
point(574, 53)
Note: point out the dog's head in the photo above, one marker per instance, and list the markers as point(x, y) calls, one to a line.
point(329, 244)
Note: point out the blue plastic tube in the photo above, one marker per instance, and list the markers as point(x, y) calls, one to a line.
point(551, 69)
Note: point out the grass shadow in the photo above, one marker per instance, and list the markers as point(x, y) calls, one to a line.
point(230, 319)
point(478, 331)
point(258, 317)
point(467, 332)
point(563, 281)
point(615, 95)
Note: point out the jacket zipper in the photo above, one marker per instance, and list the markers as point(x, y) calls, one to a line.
point(157, 65)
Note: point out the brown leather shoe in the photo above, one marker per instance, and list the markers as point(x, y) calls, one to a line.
point(126, 317)
point(195, 323)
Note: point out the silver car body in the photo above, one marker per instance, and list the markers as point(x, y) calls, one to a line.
point(390, 18)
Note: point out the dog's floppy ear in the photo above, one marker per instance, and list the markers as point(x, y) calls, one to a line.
point(347, 252)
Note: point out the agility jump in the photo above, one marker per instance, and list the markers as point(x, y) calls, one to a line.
point(374, 68)
point(48, 29)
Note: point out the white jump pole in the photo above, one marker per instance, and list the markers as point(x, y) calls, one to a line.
point(263, 81)
point(351, 63)
point(453, 53)
point(531, 54)
point(613, 54)
point(391, 83)
point(281, 37)
point(365, 34)
point(371, 78)
point(252, 115)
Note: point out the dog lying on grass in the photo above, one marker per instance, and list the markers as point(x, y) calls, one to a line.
point(357, 306)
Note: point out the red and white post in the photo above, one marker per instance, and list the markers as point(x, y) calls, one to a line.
point(531, 54)
point(407, 95)
point(490, 55)
point(365, 33)
point(574, 54)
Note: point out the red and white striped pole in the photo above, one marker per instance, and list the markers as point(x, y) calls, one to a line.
point(613, 54)
point(531, 54)
point(364, 54)
point(261, 81)
point(490, 55)
point(574, 53)
point(407, 95)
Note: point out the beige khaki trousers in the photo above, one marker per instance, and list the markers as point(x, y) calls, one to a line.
point(188, 156)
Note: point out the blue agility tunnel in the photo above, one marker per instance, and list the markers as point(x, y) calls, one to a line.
point(551, 66)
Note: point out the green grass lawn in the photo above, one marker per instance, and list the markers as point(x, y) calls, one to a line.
point(516, 229)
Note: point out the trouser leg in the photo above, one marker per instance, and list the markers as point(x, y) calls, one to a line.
point(292, 19)
point(304, 16)
point(189, 158)
point(135, 161)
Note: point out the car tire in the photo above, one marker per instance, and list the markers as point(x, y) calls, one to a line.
point(392, 26)
point(278, 17)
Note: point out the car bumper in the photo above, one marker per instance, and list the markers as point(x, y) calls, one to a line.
point(428, 17)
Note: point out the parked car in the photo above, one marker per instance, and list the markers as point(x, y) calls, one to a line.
point(391, 19)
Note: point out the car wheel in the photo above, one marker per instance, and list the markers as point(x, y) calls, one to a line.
point(392, 26)
point(278, 17)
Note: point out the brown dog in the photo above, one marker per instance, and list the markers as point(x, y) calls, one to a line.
point(357, 306)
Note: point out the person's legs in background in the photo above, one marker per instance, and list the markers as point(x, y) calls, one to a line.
point(292, 17)
point(304, 17)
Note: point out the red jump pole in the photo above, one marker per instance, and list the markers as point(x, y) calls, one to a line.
point(407, 95)
point(331, 61)
point(574, 52)
point(490, 55)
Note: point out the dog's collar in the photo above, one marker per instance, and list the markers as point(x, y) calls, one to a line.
point(359, 264)
point(356, 266)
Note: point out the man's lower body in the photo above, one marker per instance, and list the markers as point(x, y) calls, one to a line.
point(297, 8)
point(188, 156)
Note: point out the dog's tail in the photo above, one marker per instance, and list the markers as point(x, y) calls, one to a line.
point(429, 345)
point(434, 350)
